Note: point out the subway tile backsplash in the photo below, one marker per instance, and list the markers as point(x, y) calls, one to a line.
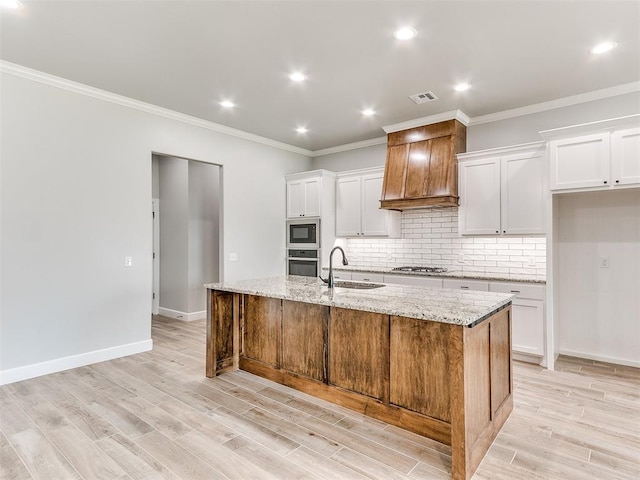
point(430, 238)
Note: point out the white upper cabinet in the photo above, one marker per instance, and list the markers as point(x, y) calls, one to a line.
point(358, 212)
point(580, 162)
point(502, 191)
point(625, 150)
point(303, 197)
point(601, 155)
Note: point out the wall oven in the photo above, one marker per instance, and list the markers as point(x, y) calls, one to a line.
point(304, 262)
point(303, 234)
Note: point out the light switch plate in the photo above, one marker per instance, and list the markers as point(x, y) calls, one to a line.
point(128, 261)
point(604, 262)
point(233, 257)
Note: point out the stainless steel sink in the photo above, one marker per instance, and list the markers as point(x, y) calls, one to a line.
point(357, 285)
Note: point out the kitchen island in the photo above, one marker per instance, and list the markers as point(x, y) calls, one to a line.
point(433, 361)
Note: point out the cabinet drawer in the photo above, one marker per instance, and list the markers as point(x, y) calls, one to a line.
point(414, 280)
point(367, 277)
point(342, 275)
point(521, 290)
point(466, 284)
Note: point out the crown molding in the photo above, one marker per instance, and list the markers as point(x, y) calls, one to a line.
point(558, 103)
point(512, 149)
point(79, 88)
point(349, 146)
point(630, 121)
point(419, 122)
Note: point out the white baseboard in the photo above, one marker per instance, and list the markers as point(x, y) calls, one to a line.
point(182, 316)
point(74, 361)
point(601, 358)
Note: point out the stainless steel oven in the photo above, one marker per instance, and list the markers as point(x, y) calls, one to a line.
point(303, 234)
point(304, 262)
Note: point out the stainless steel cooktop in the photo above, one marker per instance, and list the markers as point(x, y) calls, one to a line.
point(420, 269)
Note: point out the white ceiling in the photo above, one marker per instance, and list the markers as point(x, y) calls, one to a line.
point(188, 55)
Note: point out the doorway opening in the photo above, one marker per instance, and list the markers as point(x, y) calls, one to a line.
point(187, 232)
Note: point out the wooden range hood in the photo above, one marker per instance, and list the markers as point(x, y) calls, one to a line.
point(421, 168)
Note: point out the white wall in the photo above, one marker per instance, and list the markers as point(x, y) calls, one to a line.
point(512, 131)
point(174, 232)
point(75, 192)
point(203, 232)
point(598, 309)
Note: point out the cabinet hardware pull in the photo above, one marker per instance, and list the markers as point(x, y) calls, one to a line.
point(504, 231)
point(464, 287)
point(515, 291)
point(497, 231)
point(617, 181)
point(605, 182)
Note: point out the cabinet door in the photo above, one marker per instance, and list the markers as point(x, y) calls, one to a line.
point(479, 211)
point(522, 193)
point(579, 162)
point(375, 221)
point(348, 195)
point(312, 188)
point(261, 329)
point(419, 372)
point(625, 157)
point(528, 326)
point(304, 339)
point(359, 352)
point(295, 199)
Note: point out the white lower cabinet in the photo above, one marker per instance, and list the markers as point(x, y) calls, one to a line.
point(527, 335)
point(367, 277)
point(459, 284)
point(414, 280)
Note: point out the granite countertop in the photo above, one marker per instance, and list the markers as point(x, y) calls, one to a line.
point(450, 274)
point(459, 307)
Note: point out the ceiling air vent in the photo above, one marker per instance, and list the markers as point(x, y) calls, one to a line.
point(423, 97)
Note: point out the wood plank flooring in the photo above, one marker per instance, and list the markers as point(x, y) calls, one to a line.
point(156, 416)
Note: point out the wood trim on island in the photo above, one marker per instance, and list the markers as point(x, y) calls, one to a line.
point(447, 382)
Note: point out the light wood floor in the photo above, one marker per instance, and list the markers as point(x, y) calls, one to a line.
point(155, 415)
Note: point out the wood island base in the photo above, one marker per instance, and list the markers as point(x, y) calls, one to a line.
point(447, 382)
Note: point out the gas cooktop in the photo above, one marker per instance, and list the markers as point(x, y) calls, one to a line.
point(420, 269)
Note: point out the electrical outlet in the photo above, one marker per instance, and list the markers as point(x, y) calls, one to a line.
point(461, 258)
point(604, 262)
point(532, 261)
point(233, 257)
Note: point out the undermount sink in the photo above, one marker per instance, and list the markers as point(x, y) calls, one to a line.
point(358, 285)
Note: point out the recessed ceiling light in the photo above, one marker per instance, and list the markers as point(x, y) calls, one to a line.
point(603, 47)
point(15, 4)
point(367, 112)
point(227, 104)
point(297, 77)
point(462, 87)
point(302, 130)
point(405, 33)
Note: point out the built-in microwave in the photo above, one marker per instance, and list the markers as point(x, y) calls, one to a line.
point(303, 233)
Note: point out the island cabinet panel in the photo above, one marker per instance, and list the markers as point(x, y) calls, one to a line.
point(420, 377)
point(261, 329)
point(500, 341)
point(359, 352)
point(304, 339)
point(221, 332)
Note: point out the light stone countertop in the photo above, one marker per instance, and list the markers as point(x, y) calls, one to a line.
point(450, 274)
point(459, 307)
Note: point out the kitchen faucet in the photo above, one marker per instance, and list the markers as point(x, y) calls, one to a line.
point(329, 281)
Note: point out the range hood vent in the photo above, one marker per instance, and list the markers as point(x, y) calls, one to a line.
point(423, 97)
point(421, 168)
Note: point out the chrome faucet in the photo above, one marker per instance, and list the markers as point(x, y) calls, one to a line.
point(330, 281)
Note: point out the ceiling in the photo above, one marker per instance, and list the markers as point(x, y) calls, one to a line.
point(189, 55)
